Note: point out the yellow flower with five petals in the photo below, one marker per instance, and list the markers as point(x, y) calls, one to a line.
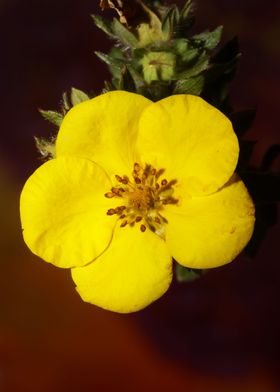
point(135, 183)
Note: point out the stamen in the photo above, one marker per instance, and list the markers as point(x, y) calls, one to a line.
point(143, 228)
point(144, 196)
point(159, 173)
point(111, 211)
point(109, 195)
point(137, 167)
point(124, 223)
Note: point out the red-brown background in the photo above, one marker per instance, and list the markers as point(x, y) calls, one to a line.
point(218, 334)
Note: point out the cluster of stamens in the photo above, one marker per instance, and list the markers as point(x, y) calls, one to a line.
point(143, 198)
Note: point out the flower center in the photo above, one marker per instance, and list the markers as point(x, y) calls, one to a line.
point(143, 198)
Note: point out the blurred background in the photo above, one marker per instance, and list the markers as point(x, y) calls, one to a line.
point(217, 334)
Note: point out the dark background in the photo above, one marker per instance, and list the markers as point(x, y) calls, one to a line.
point(220, 333)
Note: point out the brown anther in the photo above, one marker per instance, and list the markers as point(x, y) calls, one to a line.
point(109, 195)
point(124, 223)
point(137, 167)
point(125, 180)
point(160, 172)
point(111, 211)
point(164, 182)
point(153, 172)
point(157, 186)
point(143, 228)
point(138, 218)
point(172, 182)
point(170, 200)
point(122, 216)
point(118, 178)
point(157, 220)
point(115, 190)
point(137, 180)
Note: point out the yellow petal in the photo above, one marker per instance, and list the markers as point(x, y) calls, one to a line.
point(191, 139)
point(134, 271)
point(63, 211)
point(210, 231)
point(103, 129)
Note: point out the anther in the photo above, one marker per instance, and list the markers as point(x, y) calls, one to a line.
point(115, 191)
point(153, 172)
point(137, 167)
point(120, 209)
point(109, 195)
point(137, 180)
point(157, 220)
point(122, 216)
point(125, 180)
point(143, 228)
point(124, 223)
point(160, 172)
point(138, 218)
point(118, 178)
point(164, 182)
point(111, 211)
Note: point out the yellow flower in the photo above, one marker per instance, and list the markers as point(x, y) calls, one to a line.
point(135, 183)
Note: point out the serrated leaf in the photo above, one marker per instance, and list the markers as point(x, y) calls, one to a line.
point(103, 25)
point(52, 116)
point(115, 64)
point(200, 66)
point(65, 102)
point(78, 96)
point(108, 87)
point(192, 86)
point(184, 274)
point(187, 10)
point(126, 81)
point(45, 147)
point(209, 39)
point(123, 34)
point(169, 22)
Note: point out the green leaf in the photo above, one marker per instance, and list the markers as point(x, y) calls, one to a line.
point(184, 274)
point(126, 81)
point(52, 116)
point(192, 86)
point(200, 66)
point(169, 22)
point(65, 102)
point(123, 34)
point(78, 96)
point(187, 10)
point(45, 147)
point(209, 39)
point(103, 25)
point(108, 87)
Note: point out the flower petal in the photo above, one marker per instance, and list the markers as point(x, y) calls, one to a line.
point(104, 130)
point(206, 232)
point(191, 139)
point(63, 211)
point(133, 272)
